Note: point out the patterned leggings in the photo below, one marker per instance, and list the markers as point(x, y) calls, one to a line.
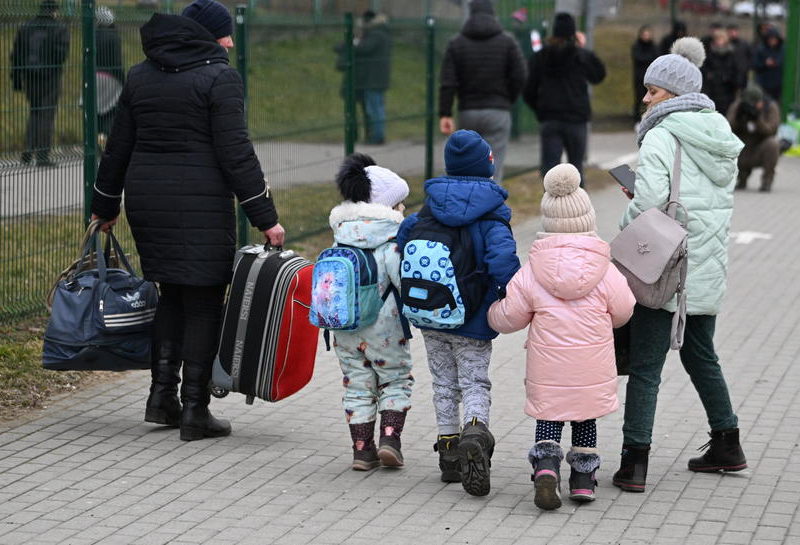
point(460, 375)
point(584, 434)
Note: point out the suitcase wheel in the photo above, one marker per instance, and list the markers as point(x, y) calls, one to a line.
point(218, 392)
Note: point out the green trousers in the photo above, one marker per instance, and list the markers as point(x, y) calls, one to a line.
point(650, 340)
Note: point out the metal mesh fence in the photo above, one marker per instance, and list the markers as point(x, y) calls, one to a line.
point(301, 115)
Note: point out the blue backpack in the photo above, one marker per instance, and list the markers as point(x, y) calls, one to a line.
point(442, 284)
point(344, 292)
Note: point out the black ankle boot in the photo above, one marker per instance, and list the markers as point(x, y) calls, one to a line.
point(196, 420)
point(545, 457)
point(475, 449)
point(632, 473)
point(389, 452)
point(163, 406)
point(724, 453)
point(447, 447)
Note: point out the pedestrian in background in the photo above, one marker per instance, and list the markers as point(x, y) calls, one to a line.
point(37, 62)
point(373, 55)
point(768, 63)
point(755, 119)
point(557, 91)
point(570, 296)
point(179, 162)
point(483, 68)
point(678, 112)
point(743, 52)
point(721, 77)
point(109, 65)
point(643, 52)
point(678, 31)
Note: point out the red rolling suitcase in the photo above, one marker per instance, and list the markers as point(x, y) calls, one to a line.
point(267, 347)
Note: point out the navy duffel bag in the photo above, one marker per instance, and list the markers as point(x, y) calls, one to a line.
point(101, 317)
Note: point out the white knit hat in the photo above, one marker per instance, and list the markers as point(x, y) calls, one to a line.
point(678, 72)
point(566, 207)
point(386, 187)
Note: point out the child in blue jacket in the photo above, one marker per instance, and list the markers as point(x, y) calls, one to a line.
point(459, 358)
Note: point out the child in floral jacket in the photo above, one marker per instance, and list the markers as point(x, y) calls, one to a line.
point(375, 360)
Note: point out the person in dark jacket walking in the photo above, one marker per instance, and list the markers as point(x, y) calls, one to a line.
point(37, 62)
point(743, 52)
point(678, 31)
point(179, 149)
point(721, 77)
point(109, 64)
point(643, 52)
point(768, 63)
point(558, 93)
point(373, 53)
point(484, 69)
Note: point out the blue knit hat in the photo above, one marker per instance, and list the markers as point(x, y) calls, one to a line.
point(467, 154)
point(214, 16)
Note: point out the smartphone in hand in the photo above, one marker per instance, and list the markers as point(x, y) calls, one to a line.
point(624, 176)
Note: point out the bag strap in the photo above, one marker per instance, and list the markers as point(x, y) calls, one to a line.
point(675, 182)
point(493, 216)
point(679, 318)
point(119, 252)
point(403, 320)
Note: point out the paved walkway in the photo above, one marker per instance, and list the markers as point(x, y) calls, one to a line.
point(88, 470)
point(28, 190)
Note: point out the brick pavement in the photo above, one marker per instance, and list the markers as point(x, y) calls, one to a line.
point(88, 470)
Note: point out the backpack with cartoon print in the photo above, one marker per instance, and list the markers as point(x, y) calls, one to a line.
point(344, 293)
point(441, 282)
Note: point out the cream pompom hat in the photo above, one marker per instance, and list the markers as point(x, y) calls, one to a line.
point(566, 207)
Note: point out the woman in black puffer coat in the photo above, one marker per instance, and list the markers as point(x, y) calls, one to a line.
point(180, 151)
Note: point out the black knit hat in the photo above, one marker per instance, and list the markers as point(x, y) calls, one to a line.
point(214, 16)
point(564, 25)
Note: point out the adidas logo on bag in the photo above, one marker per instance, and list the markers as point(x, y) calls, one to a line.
point(134, 300)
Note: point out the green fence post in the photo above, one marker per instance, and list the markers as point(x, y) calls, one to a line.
point(241, 66)
point(89, 106)
point(790, 83)
point(430, 80)
point(349, 87)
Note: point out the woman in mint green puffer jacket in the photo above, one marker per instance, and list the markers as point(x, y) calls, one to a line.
point(676, 110)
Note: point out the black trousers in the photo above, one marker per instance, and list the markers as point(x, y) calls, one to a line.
point(557, 136)
point(190, 316)
point(42, 96)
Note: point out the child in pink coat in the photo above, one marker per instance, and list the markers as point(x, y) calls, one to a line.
point(571, 296)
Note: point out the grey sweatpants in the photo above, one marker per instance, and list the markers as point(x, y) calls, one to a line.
point(460, 372)
point(494, 126)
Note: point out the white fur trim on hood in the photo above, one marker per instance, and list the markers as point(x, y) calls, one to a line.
point(351, 211)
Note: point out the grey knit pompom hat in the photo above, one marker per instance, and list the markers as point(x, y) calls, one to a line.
point(566, 208)
point(678, 72)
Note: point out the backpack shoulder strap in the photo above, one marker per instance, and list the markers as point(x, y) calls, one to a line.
point(494, 216)
point(392, 290)
point(675, 182)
